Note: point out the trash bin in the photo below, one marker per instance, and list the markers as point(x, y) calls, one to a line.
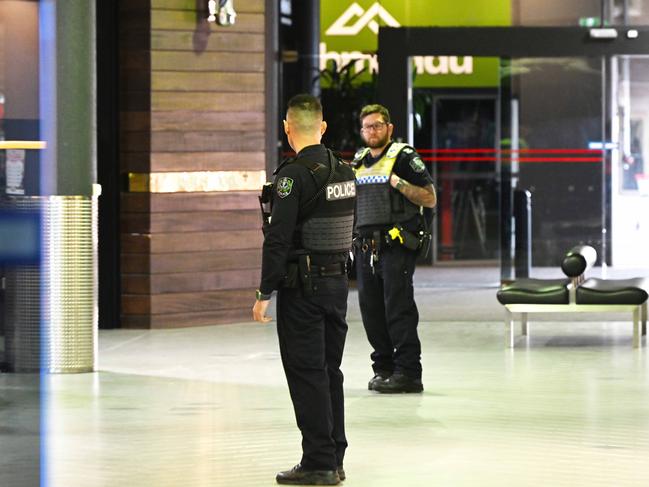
point(51, 321)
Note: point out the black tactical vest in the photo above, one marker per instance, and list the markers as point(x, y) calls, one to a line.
point(326, 222)
point(380, 205)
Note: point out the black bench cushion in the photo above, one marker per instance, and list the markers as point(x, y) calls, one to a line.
point(535, 291)
point(612, 291)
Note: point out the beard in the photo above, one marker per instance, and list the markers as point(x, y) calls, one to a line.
point(377, 142)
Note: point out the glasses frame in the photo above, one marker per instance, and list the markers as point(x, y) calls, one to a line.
point(376, 126)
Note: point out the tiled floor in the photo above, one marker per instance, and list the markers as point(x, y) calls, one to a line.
point(210, 407)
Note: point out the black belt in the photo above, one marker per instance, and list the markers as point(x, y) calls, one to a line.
point(329, 270)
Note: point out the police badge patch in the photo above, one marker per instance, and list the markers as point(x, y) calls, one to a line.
point(284, 187)
point(417, 165)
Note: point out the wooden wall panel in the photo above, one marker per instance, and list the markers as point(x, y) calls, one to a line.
point(134, 162)
point(190, 221)
point(254, 6)
point(188, 20)
point(170, 141)
point(189, 281)
point(166, 202)
point(208, 161)
point(238, 42)
point(190, 121)
point(184, 302)
point(221, 82)
point(181, 320)
point(208, 101)
point(191, 242)
point(252, 62)
point(206, 141)
point(213, 161)
point(221, 260)
point(192, 100)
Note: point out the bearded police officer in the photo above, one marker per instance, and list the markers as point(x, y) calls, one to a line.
point(392, 186)
point(307, 237)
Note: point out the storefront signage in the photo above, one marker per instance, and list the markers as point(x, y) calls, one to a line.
point(349, 34)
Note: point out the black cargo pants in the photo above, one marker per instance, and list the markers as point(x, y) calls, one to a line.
point(388, 309)
point(312, 333)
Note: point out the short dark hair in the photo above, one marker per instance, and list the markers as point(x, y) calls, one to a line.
point(375, 108)
point(305, 103)
point(305, 111)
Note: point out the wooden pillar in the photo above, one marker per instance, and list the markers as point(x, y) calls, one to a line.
point(193, 158)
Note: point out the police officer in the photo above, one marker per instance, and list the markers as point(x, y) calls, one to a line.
point(306, 244)
point(392, 186)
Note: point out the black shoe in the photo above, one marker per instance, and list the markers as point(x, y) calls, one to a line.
point(398, 383)
point(378, 377)
point(298, 475)
point(341, 473)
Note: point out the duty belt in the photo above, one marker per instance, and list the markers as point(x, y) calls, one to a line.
point(329, 270)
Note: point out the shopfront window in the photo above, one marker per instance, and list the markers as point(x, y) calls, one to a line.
point(19, 95)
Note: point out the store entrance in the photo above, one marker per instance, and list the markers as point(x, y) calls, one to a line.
point(569, 130)
point(464, 169)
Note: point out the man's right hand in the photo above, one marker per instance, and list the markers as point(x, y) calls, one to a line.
point(259, 311)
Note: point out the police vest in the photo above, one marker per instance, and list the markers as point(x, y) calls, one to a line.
point(325, 226)
point(378, 203)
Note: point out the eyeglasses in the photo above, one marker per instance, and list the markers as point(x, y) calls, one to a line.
point(376, 126)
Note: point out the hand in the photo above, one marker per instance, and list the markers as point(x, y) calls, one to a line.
point(259, 311)
point(395, 180)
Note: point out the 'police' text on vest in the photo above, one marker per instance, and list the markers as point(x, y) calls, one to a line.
point(341, 191)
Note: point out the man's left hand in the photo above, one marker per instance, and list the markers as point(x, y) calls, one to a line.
point(394, 180)
point(259, 311)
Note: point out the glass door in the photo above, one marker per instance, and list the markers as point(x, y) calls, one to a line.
point(540, 130)
point(630, 163)
point(553, 146)
point(465, 134)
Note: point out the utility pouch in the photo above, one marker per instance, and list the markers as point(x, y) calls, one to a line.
point(426, 238)
point(292, 279)
point(265, 200)
point(398, 235)
point(304, 268)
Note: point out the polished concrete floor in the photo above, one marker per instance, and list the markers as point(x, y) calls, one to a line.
point(209, 406)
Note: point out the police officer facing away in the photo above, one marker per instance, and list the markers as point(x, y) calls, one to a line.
point(392, 185)
point(307, 238)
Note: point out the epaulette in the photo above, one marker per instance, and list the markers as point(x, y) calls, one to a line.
point(358, 157)
point(397, 147)
point(286, 161)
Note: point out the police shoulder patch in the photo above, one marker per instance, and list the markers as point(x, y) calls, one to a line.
point(417, 164)
point(284, 187)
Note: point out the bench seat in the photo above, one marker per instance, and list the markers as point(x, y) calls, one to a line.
point(575, 294)
point(612, 291)
point(535, 291)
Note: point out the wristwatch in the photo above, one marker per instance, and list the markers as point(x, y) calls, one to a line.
point(400, 184)
point(261, 296)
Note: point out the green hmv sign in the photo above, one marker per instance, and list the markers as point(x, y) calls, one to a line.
point(349, 33)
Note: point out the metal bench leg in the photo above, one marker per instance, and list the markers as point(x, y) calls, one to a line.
point(509, 329)
point(636, 327)
point(524, 324)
